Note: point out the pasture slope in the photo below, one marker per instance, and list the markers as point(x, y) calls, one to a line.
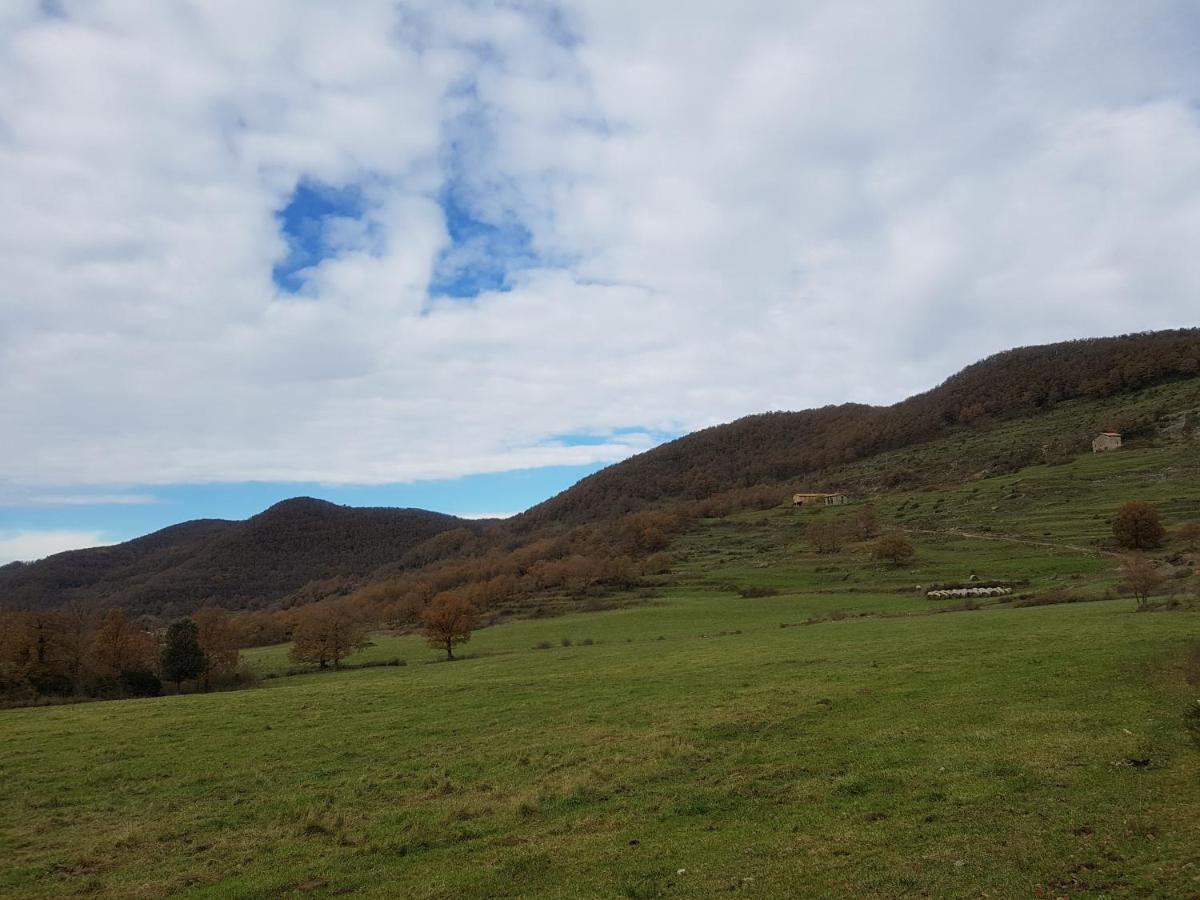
point(841, 736)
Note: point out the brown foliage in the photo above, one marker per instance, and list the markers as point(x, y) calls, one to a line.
point(326, 633)
point(824, 537)
point(1137, 526)
point(261, 629)
point(894, 548)
point(220, 637)
point(1189, 533)
point(448, 622)
point(119, 645)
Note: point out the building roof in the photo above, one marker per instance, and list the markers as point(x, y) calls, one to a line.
point(1110, 434)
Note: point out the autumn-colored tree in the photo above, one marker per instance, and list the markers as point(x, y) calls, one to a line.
point(261, 628)
point(182, 657)
point(13, 661)
point(1189, 533)
point(40, 640)
point(219, 637)
point(448, 622)
point(326, 633)
point(894, 548)
point(824, 537)
point(119, 645)
point(1137, 526)
point(1140, 576)
point(657, 564)
point(78, 623)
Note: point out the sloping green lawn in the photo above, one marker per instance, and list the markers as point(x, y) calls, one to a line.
point(944, 755)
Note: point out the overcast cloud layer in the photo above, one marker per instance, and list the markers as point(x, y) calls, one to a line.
point(721, 208)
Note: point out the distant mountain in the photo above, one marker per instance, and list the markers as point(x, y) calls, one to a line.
point(778, 447)
point(247, 564)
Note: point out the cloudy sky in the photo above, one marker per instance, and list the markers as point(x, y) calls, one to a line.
point(458, 254)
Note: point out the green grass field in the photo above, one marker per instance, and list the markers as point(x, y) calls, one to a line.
point(695, 747)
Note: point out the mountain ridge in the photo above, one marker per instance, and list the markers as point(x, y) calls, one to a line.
point(247, 563)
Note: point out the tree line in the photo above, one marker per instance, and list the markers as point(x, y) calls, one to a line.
point(77, 653)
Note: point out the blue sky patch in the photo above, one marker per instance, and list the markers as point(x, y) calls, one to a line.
point(314, 223)
point(481, 255)
point(497, 493)
point(651, 437)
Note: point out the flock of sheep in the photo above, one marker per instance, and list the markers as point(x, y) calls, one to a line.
point(968, 592)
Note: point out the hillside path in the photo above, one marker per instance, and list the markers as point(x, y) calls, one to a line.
point(958, 532)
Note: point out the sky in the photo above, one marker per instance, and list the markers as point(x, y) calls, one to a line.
point(459, 254)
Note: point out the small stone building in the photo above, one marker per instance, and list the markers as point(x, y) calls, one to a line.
point(819, 499)
point(1105, 441)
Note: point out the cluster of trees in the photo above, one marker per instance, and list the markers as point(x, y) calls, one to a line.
point(75, 653)
point(490, 569)
point(826, 535)
point(1137, 527)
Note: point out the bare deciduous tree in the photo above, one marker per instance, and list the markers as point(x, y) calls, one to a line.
point(1140, 576)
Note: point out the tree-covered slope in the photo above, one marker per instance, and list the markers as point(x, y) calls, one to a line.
point(245, 564)
point(777, 447)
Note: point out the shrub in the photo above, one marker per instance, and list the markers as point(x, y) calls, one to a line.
point(140, 683)
point(824, 537)
point(1137, 526)
point(543, 645)
point(52, 685)
point(566, 642)
point(894, 548)
point(1189, 533)
point(757, 590)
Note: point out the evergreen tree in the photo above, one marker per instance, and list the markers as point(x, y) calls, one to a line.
point(182, 658)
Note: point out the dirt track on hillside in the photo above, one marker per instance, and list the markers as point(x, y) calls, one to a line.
point(958, 532)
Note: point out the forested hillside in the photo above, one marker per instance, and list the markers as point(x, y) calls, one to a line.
point(779, 446)
point(249, 564)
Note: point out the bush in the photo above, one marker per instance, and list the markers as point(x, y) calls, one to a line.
point(894, 548)
point(566, 642)
point(50, 685)
point(757, 590)
point(140, 683)
point(1189, 533)
point(544, 645)
point(1137, 526)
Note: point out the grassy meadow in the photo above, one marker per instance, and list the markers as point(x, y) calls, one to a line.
point(844, 737)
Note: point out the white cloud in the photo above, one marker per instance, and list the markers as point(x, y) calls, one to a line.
point(28, 546)
point(769, 206)
point(86, 500)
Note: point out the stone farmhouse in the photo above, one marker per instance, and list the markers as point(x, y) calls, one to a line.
point(819, 499)
point(1105, 441)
